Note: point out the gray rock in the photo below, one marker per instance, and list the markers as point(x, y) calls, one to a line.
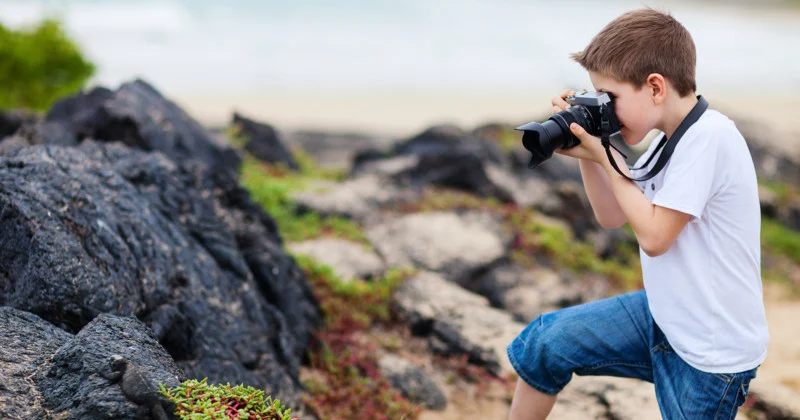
point(594, 397)
point(412, 381)
point(348, 259)
point(528, 191)
point(455, 245)
point(768, 200)
point(77, 382)
point(775, 158)
point(528, 293)
point(356, 198)
point(775, 400)
point(28, 342)
point(335, 150)
point(461, 322)
point(388, 167)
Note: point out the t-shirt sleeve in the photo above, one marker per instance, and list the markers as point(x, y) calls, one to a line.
point(689, 177)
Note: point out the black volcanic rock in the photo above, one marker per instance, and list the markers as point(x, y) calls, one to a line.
point(104, 229)
point(263, 141)
point(137, 115)
point(441, 139)
point(11, 121)
point(27, 343)
point(78, 380)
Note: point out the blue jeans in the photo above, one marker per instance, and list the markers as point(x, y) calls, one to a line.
point(618, 337)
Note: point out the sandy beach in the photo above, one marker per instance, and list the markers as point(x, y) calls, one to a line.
point(405, 113)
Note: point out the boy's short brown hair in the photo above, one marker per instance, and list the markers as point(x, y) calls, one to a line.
point(639, 43)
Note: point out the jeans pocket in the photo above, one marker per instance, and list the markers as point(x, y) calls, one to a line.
point(725, 377)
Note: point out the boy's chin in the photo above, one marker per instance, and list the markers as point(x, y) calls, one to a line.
point(631, 139)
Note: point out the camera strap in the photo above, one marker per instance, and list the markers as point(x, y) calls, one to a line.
point(667, 144)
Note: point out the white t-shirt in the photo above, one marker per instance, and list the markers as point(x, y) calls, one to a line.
point(705, 292)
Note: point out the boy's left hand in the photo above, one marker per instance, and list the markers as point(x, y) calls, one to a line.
point(590, 148)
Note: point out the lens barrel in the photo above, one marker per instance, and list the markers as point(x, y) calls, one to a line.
point(542, 139)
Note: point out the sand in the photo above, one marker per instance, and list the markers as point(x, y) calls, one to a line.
point(405, 113)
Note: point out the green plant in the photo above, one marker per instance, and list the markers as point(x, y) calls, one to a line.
point(783, 192)
point(196, 400)
point(40, 65)
point(272, 186)
point(780, 240)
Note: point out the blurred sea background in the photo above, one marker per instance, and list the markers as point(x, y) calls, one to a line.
point(399, 66)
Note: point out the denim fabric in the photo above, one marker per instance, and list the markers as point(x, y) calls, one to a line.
point(618, 337)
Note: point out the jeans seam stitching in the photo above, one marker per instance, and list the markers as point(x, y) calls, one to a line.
point(617, 362)
point(722, 401)
point(735, 405)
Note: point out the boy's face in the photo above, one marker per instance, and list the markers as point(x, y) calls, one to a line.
point(635, 109)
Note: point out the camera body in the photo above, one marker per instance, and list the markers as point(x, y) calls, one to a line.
point(594, 111)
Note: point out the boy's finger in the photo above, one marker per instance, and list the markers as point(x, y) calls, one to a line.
point(579, 132)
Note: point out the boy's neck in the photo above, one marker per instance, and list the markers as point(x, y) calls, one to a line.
point(676, 112)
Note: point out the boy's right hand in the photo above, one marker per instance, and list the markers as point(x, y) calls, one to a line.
point(559, 103)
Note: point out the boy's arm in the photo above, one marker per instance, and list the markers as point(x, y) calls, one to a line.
point(655, 227)
point(598, 188)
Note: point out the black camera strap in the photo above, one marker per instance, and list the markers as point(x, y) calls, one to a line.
point(667, 144)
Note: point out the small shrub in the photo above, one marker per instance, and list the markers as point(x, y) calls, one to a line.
point(350, 386)
point(196, 400)
point(40, 65)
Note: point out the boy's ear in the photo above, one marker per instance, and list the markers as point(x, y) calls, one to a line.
point(658, 86)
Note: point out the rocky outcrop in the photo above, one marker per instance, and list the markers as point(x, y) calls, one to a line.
point(456, 321)
point(262, 141)
point(336, 150)
point(79, 380)
point(356, 198)
point(348, 259)
point(11, 121)
point(528, 293)
point(28, 342)
point(101, 228)
point(412, 381)
point(137, 115)
point(48, 373)
point(442, 139)
point(457, 246)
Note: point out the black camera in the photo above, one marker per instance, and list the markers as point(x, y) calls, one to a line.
point(594, 111)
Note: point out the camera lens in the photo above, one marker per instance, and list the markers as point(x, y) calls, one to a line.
point(542, 139)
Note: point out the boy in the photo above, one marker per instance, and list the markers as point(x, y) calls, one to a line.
point(698, 329)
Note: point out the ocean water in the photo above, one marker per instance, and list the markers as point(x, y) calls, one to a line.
point(213, 46)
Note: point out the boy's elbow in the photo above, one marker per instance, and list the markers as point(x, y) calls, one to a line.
point(654, 247)
point(610, 222)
